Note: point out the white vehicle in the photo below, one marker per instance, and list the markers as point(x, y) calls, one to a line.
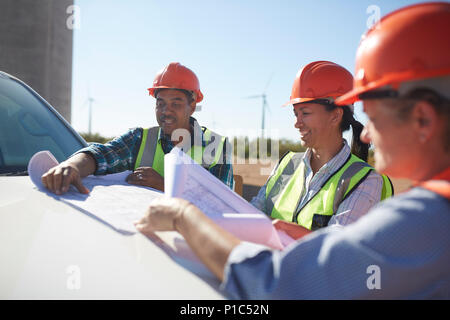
point(49, 250)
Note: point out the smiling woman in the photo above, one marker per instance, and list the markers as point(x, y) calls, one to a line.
point(329, 184)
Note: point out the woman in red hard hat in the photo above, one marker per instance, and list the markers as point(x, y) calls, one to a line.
point(400, 249)
point(330, 184)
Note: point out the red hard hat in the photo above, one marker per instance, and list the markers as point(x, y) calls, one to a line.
point(177, 76)
point(319, 80)
point(409, 44)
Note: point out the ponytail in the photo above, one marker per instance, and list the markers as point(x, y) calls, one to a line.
point(359, 148)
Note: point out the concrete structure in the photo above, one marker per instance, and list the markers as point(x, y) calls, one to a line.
point(36, 47)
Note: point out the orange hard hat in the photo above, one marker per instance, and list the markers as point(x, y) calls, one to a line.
point(177, 76)
point(320, 80)
point(409, 44)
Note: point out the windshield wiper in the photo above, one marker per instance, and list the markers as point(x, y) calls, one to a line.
point(15, 173)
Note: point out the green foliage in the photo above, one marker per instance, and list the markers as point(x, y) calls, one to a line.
point(94, 137)
point(370, 158)
point(243, 147)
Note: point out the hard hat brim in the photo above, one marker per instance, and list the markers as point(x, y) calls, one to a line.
point(350, 97)
point(297, 100)
point(198, 94)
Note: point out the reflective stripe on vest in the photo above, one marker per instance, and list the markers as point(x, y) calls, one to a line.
point(151, 154)
point(285, 188)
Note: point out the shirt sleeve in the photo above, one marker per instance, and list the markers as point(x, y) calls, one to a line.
point(397, 251)
point(223, 170)
point(360, 201)
point(116, 155)
point(259, 201)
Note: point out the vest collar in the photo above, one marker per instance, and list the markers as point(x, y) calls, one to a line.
point(443, 175)
point(336, 162)
point(439, 184)
point(196, 132)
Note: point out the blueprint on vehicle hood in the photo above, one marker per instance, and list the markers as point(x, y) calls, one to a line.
point(111, 198)
point(118, 204)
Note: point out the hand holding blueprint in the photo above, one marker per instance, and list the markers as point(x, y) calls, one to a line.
point(186, 179)
point(119, 204)
point(111, 198)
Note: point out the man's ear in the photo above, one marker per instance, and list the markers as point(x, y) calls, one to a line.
point(425, 120)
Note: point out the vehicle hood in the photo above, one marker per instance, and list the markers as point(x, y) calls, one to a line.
point(47, 246)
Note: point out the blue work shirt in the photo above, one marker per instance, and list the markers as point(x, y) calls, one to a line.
point(399, 250)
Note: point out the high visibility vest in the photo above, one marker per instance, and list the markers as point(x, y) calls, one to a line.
point(284, 190)
point(151, 154)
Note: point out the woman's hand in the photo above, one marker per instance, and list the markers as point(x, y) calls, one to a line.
point(209, 242)
point(162, 215)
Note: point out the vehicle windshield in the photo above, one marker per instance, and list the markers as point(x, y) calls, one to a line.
point(27, 126)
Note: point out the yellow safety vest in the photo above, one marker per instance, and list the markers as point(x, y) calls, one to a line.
point(151, 154)
point(285, 187)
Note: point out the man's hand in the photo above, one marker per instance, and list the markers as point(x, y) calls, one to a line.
point(58, 179)
point(162, 215)
point(148, 177)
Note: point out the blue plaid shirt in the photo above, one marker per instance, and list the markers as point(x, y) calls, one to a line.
point(120, 154)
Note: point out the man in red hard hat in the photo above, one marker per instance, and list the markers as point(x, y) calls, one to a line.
point(177, 91)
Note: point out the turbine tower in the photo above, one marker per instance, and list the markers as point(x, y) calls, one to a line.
point(90, 100)
point(265, 105)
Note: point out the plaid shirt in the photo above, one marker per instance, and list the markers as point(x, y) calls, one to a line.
point(120, 154)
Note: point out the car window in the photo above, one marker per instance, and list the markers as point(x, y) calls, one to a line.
point(27, 126)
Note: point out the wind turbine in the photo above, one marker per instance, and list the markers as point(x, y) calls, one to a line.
point(89, 100)
point(265, 105)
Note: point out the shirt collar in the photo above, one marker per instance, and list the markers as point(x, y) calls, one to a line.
point(337, 161)
point(443, 175)
point(194, 128)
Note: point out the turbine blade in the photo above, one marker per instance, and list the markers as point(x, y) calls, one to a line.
point(253, 97)
point(268, 82)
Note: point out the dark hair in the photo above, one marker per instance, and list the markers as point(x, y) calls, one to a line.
point(359, 148)
point(189, 94)
point(404, 105)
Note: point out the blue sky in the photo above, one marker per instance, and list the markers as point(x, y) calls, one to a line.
point(233, 46)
